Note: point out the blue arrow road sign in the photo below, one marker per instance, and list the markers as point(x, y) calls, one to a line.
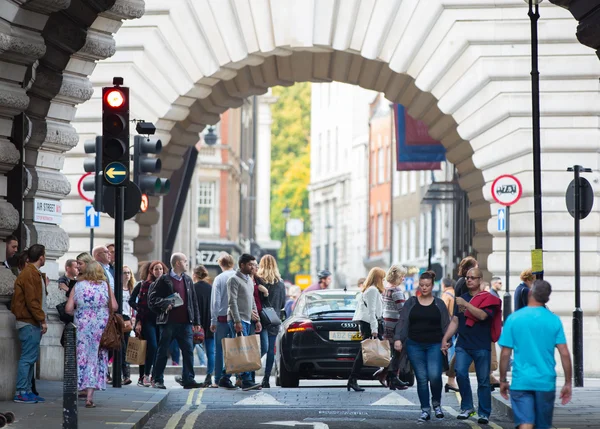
point(115, 173)
point(92, 217)
point(501, 220)
point(409, 283)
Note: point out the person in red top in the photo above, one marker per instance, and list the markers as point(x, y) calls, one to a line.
point(323, 283)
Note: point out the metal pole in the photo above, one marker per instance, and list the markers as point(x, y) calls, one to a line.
point(534, 16)
point(70, 379)
point(287, 254)
point(578, 313)
point(119, 227)
point(507, 300)
point(91, 240)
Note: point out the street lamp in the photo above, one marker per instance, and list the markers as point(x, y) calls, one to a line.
point(286, 214)
point(210, 138)
point(328, 227)
point(534, 15)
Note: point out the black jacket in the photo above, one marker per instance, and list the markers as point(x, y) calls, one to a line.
point(203, 292)
point(276, 299)
point(162, 288)
point(403, 323)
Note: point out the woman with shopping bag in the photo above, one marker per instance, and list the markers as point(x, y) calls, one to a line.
point(369, 311)
point(423, 322)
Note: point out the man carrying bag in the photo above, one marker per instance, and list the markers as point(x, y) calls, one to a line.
point(240, 290)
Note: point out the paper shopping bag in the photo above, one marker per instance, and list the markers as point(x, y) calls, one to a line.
point(241, 354)
point(376, 352)
point(136, 351)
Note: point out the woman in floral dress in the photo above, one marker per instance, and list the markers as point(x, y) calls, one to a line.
point(89, 304)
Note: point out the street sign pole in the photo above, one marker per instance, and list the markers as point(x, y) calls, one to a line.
point(507, 300)
point(91, 240)
point(119, 232)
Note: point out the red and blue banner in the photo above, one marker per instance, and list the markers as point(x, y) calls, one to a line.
point(415, 148)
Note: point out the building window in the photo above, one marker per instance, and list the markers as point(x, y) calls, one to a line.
point(395, 242)
point(412, 240)
point(428, 227)
point(422, 178)
point(396, 184)
point(404, 183)
point(206, 205)
point(381, 166)
point(413, 181)
point(373, 234)
point(422, 235)
point(380, 232)
point(373, 168)
point(404, 241)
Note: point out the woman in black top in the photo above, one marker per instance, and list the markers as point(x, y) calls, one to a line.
point(203, 291)
point(423, 322)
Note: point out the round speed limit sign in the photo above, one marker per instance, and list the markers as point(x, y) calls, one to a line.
point(506, 190)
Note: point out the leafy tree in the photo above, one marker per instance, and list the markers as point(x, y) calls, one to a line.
point(290, 173)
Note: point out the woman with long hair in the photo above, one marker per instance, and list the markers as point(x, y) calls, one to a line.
point(128, 284)
point(369, 310)
point(83, 259)
point(269, 277)
point(423, 323)
point(203, 293)
point(89, 303)
point(142, 275)
point(146, 319)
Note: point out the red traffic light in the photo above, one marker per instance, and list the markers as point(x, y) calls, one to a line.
point(114, 98)
point(144, 203)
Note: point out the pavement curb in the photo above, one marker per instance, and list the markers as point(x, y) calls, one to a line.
point(502, 406)
point(156, 403)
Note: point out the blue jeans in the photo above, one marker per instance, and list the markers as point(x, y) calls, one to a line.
point(483, 362)
point(270, 355)
point(151, 334)
point(246, 376)
point(426, 360)
point(533, 407)
point(175, 352)
point(182, 332)
point(30, 337)
point(208, 349)
point(223, 331)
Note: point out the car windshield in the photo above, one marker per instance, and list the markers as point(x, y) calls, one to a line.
point(316, 303)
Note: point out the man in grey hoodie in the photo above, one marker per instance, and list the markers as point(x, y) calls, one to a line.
point(242, 308)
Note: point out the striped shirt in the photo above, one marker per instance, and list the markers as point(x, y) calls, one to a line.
point(393, 301)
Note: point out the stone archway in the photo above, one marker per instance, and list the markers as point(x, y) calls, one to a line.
point(464, 70)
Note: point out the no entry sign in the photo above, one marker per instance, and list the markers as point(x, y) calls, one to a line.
point(506, 190)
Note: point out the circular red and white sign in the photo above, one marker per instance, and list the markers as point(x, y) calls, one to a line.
point(88, 196)
point(506, 190)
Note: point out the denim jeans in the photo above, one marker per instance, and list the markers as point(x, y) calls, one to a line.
point(125, 367)
point(264, 343)
point(151, 334)
point(223, 331)
point(246, 376)
point(208, 348)
point(30, 337)
point(182, 332)
point(482, 359)
point(426, 360)
point(175, 352)
point(270, 355)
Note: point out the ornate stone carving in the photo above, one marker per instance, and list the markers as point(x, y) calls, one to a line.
point(53, 237)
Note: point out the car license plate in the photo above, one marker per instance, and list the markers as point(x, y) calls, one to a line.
point(344, 336)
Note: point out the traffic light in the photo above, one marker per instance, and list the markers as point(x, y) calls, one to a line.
point(94, 165)
point(115, 134)
point(143, 164)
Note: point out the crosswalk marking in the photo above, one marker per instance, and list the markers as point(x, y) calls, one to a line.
point(260, 399)
point(393, 399)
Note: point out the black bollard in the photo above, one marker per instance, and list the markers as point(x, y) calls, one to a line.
point(70, 378)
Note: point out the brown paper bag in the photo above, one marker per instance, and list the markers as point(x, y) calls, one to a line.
point(376, 352)
point(136, 351)
point(241, 354)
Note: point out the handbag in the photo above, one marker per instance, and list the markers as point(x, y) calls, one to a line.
point(112, 337)
point(136, 351)
point(268, 315)
point(62, 313)
point(199, 336)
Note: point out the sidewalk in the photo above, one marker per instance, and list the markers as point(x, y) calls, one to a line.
point(582, 412)
point(127, 407)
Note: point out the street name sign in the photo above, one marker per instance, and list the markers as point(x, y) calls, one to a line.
point(115, 173)
point(501, 220)
point(506, 190)
point(47, 211)
point(92, 217)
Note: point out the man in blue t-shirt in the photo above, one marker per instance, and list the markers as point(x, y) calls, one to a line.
point(473, 345)
point(533, 333)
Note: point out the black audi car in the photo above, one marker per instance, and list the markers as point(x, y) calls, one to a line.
point(319, 340)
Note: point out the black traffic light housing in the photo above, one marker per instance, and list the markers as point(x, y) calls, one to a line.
point(143, 165)
point(94, 165)
point(115, 134)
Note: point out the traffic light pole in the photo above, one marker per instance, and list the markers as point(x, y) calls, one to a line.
point(119, 231)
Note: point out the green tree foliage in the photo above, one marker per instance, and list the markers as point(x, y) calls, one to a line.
point(290, 173)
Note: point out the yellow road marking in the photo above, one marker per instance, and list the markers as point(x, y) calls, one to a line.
point(190, 398)
point(190, 421)
point(176, 418)
point(146, 402)
point(455, 413)
point(118, 423)
point(134, 411)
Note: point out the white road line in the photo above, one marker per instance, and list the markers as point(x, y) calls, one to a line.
point(260, 399)
point(176, 418)
point(393, 399)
